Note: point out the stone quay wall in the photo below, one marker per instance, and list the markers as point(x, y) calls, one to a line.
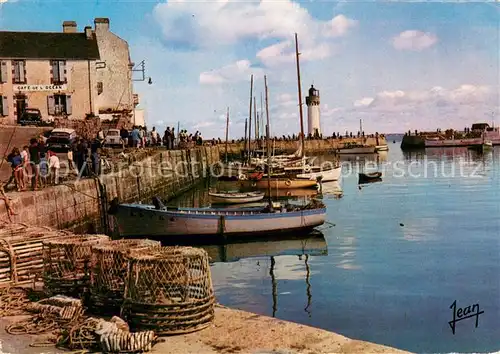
point(78, 205)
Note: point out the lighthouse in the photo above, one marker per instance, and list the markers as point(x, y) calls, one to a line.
point(312, 102)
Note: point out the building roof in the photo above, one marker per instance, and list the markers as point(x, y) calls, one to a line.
point(47, 45)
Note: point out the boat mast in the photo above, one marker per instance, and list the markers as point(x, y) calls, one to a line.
point(256, 122)
point(250, 119)
point(227, 129)
point(245, 149)
point(268, 148)
point(300, 97)
point(262, 114)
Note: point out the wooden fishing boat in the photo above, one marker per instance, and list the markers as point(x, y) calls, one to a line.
point(381, 148)
point(481, 148)
point(139, 220)
point(370, 177)
point(356, 149)
point(279, 183)
point(325, 175)
point(235, 198)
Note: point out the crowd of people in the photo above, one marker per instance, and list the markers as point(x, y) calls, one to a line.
point(34, 166)
point(139, 137)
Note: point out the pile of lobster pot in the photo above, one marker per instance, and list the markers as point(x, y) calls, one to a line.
point(169, 291)
point(109, 264)
point(67, 264)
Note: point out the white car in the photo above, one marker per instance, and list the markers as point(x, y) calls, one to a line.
point(112, 137)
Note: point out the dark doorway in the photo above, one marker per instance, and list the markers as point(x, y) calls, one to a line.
point(20, 106)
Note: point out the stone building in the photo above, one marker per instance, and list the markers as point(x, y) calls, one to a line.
point(67, 74)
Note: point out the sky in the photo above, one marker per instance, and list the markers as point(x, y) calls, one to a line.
point(394, 65)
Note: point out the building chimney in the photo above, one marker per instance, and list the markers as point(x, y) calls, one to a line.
point(88, 32)
point(69, 27)
point(101, 24)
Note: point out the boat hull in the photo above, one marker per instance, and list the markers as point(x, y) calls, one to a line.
point(382, 148)
point(136, 220)
point(369, 177)
point(357, 150)
point(217, 198)
point(279, 183)
point(326, 176)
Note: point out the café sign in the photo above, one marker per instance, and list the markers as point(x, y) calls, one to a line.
point(34, 88)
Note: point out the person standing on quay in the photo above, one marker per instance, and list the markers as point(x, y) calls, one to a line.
point(54, 167)
point(135, 137)
point(34, 151)
point(167, 138)
point(124, 137)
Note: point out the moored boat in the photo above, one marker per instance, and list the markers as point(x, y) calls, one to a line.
point(356, 149)
point(481, 148)
point(235, 198)
point(325, 175)
point(139, 220)
point(381, 148)
point(369, 177)
point(278, 183)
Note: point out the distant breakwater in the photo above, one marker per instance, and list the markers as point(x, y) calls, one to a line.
point(316, 146)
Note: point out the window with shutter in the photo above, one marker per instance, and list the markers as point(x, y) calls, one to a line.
point(22, 71)
point(55, 72)
point(19, 72)
point(4, 106)
point(51, 105)
point(58, 72)
point(62, 71)
point(69, 108)
point(3, 72)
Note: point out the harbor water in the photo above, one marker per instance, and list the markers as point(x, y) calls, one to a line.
point(394, 257)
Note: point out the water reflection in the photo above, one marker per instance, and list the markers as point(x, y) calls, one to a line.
point(237, 266)
point(308, 288)
point(274, 285)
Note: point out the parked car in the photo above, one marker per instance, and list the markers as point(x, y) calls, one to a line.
point(30, 116)
point(112, 137)
point(61, 139)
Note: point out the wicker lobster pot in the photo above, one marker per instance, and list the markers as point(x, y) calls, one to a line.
point(21, 255)
point(169, 291)
point(109, 264)
point(67, 264)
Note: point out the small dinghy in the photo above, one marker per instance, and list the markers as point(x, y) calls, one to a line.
point(370, 177)
point(235, 198)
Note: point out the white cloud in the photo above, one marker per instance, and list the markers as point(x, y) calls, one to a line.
point(365, 101)
point(339, 26)
point(414, 40)
point(436, 96)
point(286, 100)
point(238, 71)
point(284, 52)
point(428, 109)
point(210, 23)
